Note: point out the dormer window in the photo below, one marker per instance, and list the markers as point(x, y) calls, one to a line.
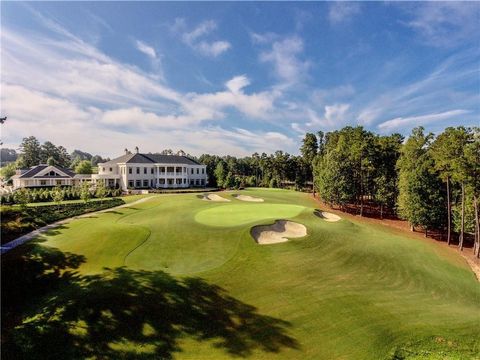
point(110, 169)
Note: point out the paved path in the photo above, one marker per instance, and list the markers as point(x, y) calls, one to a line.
point(31, 235)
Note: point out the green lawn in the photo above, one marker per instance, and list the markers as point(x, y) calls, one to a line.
point(179, 277)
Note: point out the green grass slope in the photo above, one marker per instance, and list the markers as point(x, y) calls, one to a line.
point(179, 277)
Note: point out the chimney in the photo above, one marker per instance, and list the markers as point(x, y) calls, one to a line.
point(136, 149)
point(126, 151)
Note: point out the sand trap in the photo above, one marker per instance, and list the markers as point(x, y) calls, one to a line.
point(327, 216)
point(214, 197)
point(248, 198)
point(278, 232)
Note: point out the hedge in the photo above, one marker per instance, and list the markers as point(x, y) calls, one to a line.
point(17, 221)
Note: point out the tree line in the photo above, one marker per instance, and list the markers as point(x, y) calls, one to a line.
point(431, 181)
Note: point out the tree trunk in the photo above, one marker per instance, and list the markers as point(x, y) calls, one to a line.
point(449, 221)
point(462, 226)
point(361, 194)
point(381, 211)
point(412, 228)
point(426, 231)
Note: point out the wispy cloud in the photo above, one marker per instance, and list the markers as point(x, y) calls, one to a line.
point(284, 55)
point(194, 38)
point(146, 49)
point(444, 23)
point(408, 122)
point(341, 11)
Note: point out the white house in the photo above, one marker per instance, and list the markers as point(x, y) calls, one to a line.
point(143, 171)
point(47, 175)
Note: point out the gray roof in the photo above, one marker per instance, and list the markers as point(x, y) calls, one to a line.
point(34, 170)
point(151, 159)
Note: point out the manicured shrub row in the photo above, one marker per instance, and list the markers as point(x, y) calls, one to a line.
point(48, 194)
point(17, 221)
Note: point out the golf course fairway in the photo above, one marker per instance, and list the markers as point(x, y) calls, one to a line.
point(178, 277)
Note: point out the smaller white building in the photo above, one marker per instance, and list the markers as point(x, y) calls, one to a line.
point(46, 176)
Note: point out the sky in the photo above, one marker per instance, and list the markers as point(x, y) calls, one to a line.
point(233, 78)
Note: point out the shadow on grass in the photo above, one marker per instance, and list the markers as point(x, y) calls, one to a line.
point(51, 311)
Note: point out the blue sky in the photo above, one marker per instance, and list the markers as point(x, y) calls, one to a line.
point(233, 78)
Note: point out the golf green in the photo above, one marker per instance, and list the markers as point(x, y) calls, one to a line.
point(179, 277)
point(241, 214)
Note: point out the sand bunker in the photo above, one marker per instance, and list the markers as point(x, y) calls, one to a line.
point(214, 197)
point(248, 198)
point(278, 232)
point(327, 216)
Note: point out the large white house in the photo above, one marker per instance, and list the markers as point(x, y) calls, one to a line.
point(143, 171)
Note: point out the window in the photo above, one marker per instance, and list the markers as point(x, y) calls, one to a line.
point(151, 170)
point(58, 182)
point(103, 169)
point(197, 182)
point(198, 171)
point(138, 183)
point(129, 170)
point(130, 183)
point(191, 182)
point(184, 180)
point(110, 169)
point(162, 181)
point(192, 171)
point(145, 183)
point(144, 170)
point(203, 170)
point(202, 182)
point(138, 170)
point(43, 182)
point(179, 181)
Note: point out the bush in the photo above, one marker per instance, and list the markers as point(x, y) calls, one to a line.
point(17, 221)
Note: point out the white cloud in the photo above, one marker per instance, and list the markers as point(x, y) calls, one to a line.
point(407, 122)
point(146, 49)
point(284, 57)
point(212, 49)
point(193, 38)
point(446, 23)
point(341, 11)
point(266, 38)
point(237, 83)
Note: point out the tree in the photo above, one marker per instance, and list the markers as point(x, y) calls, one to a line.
point(51, 161)
point(220, 174)
point(420, 198)
point(84, 167)
point(472, 182)
point(22, 197)
point(100, 190)
point(63, 157)
point(31, 151)
point(7, 171)
point(85, 193)
point(57, 195)
point(309, 150)
point(49, 150)
point(445, 150)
